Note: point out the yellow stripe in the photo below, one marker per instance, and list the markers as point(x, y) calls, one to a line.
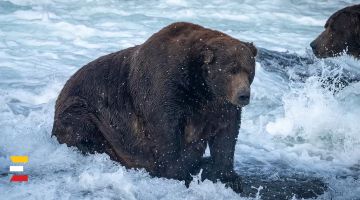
point(19, 159)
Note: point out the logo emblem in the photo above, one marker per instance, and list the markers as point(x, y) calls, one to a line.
point(17, 168)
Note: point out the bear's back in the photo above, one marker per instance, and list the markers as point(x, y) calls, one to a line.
point(99, 81)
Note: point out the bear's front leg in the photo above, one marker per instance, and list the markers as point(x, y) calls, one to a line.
point(220, 165)
point(174, 159)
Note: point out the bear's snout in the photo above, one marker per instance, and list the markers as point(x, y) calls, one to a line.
point(314, 48)
point(313, 45)
point(243, 98)
point(319, 48)
point(239, 91)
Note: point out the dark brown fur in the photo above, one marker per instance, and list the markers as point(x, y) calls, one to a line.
point(342, 33)
point(157, 105)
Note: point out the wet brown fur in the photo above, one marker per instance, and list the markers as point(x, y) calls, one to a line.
point(342, 33)
point(159, 104)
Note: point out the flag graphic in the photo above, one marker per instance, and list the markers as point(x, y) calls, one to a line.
point(19, 178)
point(19, 159)
point(16, 168)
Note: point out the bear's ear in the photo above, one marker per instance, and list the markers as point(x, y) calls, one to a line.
point(252, 48)
point(207, 56)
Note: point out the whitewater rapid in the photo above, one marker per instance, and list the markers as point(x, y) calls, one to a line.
point(294, 125)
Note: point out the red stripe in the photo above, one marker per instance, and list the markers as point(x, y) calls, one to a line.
point(19, 178)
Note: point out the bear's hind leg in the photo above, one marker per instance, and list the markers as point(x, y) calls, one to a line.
point(74, 126)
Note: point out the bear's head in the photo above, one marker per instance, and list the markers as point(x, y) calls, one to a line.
point(342, 33)
point(229, 67)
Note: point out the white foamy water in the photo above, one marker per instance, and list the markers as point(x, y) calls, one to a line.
point(289, 126)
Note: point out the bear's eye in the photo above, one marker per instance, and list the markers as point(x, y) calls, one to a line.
point(326, 25)
point(234, 70)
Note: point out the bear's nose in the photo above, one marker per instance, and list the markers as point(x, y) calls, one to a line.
point(244, 97)
point(313, 45)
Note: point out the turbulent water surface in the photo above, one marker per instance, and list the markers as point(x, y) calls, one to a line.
point(298, 123)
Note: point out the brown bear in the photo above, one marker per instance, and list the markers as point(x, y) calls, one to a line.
point(159, 104)
point(342, 33)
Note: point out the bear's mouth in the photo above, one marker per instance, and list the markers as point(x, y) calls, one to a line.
point(243, 102)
